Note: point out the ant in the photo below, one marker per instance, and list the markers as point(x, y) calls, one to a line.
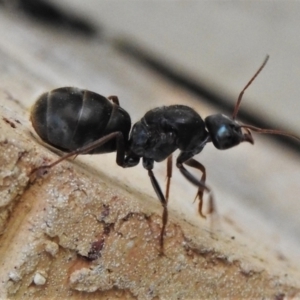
point(83, 122)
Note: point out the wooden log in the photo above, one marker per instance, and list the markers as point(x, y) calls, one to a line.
point(91, 229)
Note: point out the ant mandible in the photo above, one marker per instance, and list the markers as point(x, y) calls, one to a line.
point(83, 122)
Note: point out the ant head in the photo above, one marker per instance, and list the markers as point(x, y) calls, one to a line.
point(225, 132)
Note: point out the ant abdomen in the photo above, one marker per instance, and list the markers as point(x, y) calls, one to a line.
point(69, 118)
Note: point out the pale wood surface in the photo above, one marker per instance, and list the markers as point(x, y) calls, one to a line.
point(256, 187)
point(73, 233)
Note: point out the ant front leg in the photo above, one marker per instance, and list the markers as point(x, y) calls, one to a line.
point(187, 159)
point(195, 164)
point(148, 165)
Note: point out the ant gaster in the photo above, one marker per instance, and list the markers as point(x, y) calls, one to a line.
point(83, 122)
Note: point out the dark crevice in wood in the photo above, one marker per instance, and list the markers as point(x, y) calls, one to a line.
point(45, 12)
point(206, 94)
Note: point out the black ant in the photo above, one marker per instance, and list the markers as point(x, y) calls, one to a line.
point(83, 122)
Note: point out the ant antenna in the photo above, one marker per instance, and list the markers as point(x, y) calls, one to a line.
point(250, 128)
point(270, 131)
point(237, 106)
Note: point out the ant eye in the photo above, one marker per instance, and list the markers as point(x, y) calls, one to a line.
point(223, 132)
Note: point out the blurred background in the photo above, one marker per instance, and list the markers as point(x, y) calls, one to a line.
point(196, 53)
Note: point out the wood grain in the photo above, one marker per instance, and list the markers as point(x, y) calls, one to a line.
point(74, 234)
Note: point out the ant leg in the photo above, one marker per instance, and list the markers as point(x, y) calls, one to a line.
point(89, 147)
point(148, 165)
point(187, 159)
point(114, 99)
point(197, 165)
point(169, 175)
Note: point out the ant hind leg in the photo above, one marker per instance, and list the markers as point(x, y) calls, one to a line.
point(87, 148)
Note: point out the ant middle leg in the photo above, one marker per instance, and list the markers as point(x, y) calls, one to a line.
point(148, 165)
point(169, 176)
